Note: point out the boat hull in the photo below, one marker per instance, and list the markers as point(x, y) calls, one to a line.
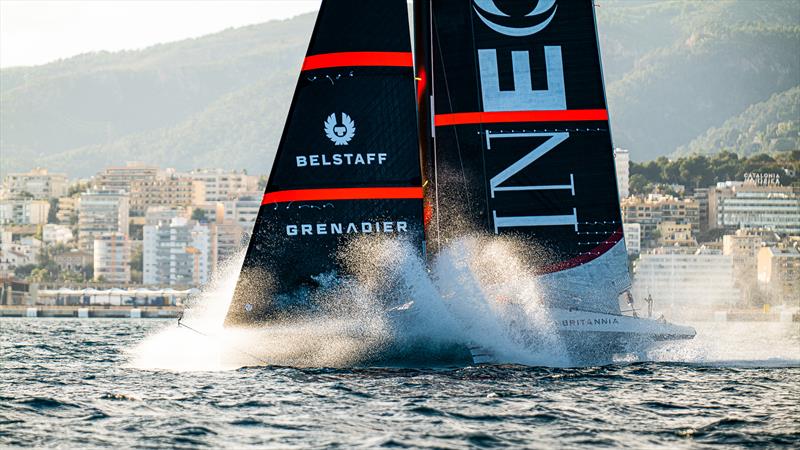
point(597, 338)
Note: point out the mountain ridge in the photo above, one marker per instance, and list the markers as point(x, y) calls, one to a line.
point(675, 71)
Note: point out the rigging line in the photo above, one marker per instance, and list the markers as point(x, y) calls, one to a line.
point(181, 324)
point(432, 130)
point(450, 103)
point(478, 89)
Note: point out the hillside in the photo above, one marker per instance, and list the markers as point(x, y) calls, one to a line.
point(155, 104)
point(772, 126)
point(678, 73)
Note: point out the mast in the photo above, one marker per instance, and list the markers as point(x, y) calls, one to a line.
point(347, 164)
point(424, 75)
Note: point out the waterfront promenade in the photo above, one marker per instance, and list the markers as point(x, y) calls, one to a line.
point(91, 311)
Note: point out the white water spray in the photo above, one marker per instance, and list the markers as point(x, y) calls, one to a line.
point(475, 294)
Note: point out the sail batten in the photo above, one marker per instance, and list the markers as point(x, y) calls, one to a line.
point(358, 59)
point(372, 193)
point(467, 118)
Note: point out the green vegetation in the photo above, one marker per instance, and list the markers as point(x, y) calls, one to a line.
point(137, 265)
point(52, 213)
point(772, 126)
point(199, 215)
point(704, 171)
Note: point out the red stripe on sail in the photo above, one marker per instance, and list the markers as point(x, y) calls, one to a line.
point(569, 115)
point(377, 193)
point(591, 255)
point(358, 59)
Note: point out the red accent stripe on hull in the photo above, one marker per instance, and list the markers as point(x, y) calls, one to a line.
point(358, 59)
point(570, 115)
point(591, 255)
point(308, 195)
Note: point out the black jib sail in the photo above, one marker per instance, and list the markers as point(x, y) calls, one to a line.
point(522, 144)
point(348, 160)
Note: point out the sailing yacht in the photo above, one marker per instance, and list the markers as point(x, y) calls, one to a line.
point(496, 124)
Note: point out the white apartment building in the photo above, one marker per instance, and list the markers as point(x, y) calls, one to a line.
point(651, 211)
point(622, 161)
point(243, 210)
point(177, 253)
point(218, 185)
point(39, 183)
point(17, 253)
point(682, 281)
point(56, 234)
point(227, 239)
point(737, 205)
point(633, 237)
point(101, 212)
point(112, 258)
point(24, 212)
point(779, 274)
point(162, 191)
point(157, 214)
point(67, 208)
point(121, 178)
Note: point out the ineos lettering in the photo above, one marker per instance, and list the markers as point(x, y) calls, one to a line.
point(496, 182)
point(523, 97)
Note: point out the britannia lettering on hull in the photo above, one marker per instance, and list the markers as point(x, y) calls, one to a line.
point(506, 132)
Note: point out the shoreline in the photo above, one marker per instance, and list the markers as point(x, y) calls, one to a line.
point(90, 311)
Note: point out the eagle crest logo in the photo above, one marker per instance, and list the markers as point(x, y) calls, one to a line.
point(340, 134)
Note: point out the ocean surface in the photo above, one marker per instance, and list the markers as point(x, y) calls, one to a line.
point(89, 383)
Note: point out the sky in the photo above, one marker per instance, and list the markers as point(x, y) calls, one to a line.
point(37, 32)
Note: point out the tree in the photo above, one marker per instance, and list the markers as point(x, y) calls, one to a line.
point(39, 275)
point(52, 215)
point(199, 215)
point(137, 265)
point(24, 271)
point(639, 185)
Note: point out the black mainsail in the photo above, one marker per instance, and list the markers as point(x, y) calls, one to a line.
point(521, 140)
point(348, 160)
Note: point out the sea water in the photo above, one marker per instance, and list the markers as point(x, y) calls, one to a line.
point(86, 383)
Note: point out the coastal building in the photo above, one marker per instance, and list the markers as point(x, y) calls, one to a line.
point(734, 205)
point(67, 209)
point(16, 253)
point(120, 178)
point(167, 192)
point(700, 195)
point(243, 209)
point(38, 184)
point(671, 233)
point(73, 260)
point(176, 253)
point(156, 214)
point(112, 256)
point(217, 185)
point(622, 161)
point(654, 209)
point(56, 234)
point(779, 274)
point(101, 212)
point(685, 280)
point(227, 240)
point(633, 237)
point(743, 247)
point(24, 212)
